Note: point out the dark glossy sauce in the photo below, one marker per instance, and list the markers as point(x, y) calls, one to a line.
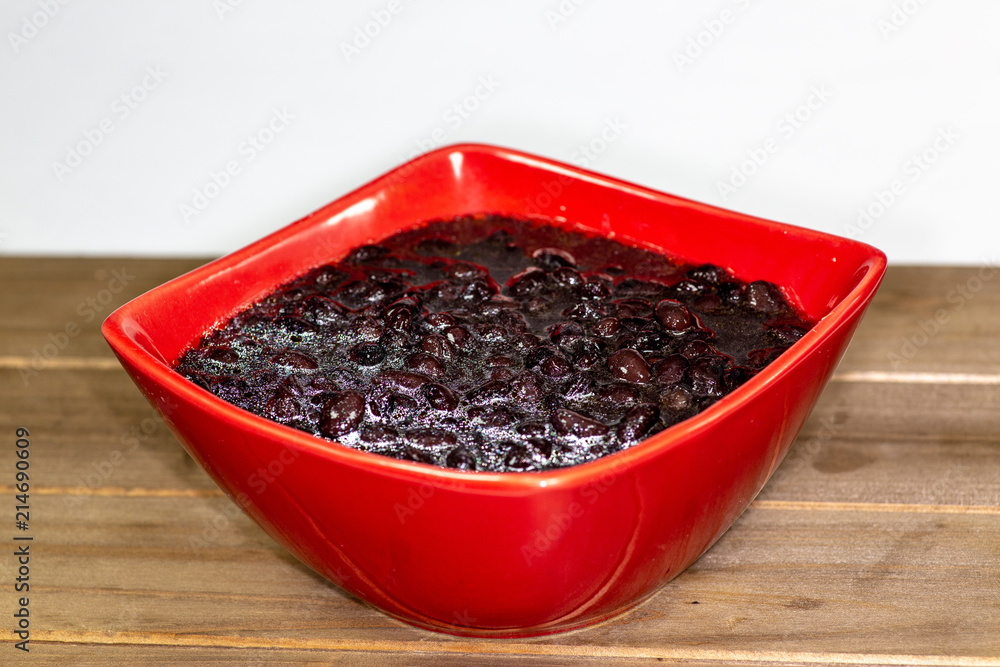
point(486, 343)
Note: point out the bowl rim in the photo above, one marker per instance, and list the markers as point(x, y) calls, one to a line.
point(116, 331)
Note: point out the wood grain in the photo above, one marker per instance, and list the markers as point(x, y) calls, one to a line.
point(877, 541)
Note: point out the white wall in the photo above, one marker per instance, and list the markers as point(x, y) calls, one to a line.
point(888, 80)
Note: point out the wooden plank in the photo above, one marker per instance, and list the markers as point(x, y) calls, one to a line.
point(931, 319)
point(95, 429)
point(779, 582)
point(907, 411)
point(876, 542)
point(114, 655)
point(931, 472)
point(42, 296)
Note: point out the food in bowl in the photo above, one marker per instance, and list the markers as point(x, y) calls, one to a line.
point(490, 343)
point(496, 554)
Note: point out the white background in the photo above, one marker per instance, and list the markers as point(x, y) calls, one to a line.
point(694, 90)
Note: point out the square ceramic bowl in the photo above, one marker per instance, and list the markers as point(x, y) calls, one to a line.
point(502, 554)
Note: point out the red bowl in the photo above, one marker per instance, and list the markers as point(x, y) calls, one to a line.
point(502, 554)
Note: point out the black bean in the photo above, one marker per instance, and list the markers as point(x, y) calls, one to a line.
point(765, 297)
point(477, 291)
point(578, 385)
point(532, 429)
point(518, 457)
point(379, 433)
point(366, 254)
point(705, 376)
point(551, 259)
point(566, 334)
point(538, 355)
point(757, 359)
point(567, 277)
point(687, 289)
point(404, 380)
point(695, 349)
point(637, 422)
point(367, 329)
point(295, 359)
point(465, 272)
point(673, 315)
point(736, 376)
point(224, 355)
point(570, 422)
point(295, 325)
point(637, 287)
point(585, 311)
point(430, 437)
point(555, 367)
point(620, 394)
point(634, 307)
point(457, 336)
point(437, 345)
point(440, 320)
point(327, 276)
point(462, 459)
point(429, 365)
point(708, 274)
point(417, 455)
point(676, 398)
point(629, 365)
point(440, 397)
point(497, 417)
point(593, 289)
point(367, 354)
point(527, 283)
point(500, 360)
point(586, 360)
point(526, 388)
point(670, 370)
point(342, 414)
point(607, 327)
point(489, 391)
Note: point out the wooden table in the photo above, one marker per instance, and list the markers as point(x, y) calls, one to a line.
point(876, 542)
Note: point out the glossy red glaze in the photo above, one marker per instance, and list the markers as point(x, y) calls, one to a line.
point(512, 554)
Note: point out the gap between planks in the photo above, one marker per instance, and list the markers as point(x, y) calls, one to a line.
point(786, 505)
point(875, 377)
point(504, 648)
